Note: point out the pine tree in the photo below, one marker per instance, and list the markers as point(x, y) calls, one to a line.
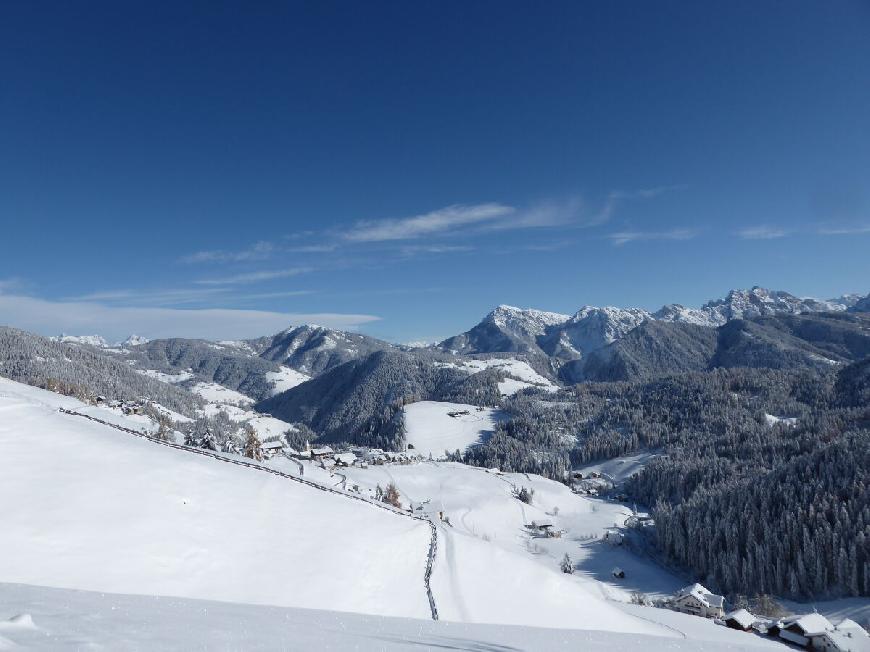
point(253, 449)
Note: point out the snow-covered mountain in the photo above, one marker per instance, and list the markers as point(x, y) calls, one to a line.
point(590, 329)
point(135, 340)
point(90, 340)
point(315, 349)
point(508, 329)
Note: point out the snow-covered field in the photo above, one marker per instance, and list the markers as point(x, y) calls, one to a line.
point(491, 570)
point(431, 429)
point(172, 379)
point(59, 619)
point(285, 378)
point(88, 507)
point(619, 469)
point(214, 393)
point(773, 420)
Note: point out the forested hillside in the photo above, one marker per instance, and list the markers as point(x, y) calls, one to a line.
point(83, 371)
point(227, 366)
point(360, 401)
point(779, 442)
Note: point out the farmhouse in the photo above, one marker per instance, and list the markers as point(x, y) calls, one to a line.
point(740, 619)
point(345, 459)
point(815, 632)
point(271, 448)
point(697, 600)
point(321, 452)
point(805, 630)
point(848, 636)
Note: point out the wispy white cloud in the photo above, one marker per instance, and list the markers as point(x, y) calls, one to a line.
point(258, 251)
point(646, 193)
point(166, 296)
point(313, 248)
point(477, 218)
point(440, 221)
point(855, 229)
point(624, 237)
point(543, 214)
point(273, 295)
point(409, 251)
point(116, 322)
point(181, 296)
point(762, 232)
point(254, 277)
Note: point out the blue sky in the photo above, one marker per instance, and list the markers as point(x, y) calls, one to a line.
point(223, 169)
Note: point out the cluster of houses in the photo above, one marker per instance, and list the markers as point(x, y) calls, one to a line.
point(127, 407)
point(589, 483)
point(328, 458)
point(811, 631)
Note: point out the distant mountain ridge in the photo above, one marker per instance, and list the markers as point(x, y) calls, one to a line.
point(507, 329)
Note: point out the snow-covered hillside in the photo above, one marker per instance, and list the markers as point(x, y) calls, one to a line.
point(100, 510)
point(38, 618)
point(214, 393)
point(285, 378)
point(520, 374)
point(434, 427)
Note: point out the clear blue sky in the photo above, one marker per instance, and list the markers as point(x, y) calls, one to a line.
point(423, 162)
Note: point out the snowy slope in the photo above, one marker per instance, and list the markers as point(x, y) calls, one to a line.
point(431, 430)
point(520, 374)
point(214, 393)
point(285, 378)
point(99, 510)
point(56, 619)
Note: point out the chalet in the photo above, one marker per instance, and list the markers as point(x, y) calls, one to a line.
point(697, 600)
point(618, 573)
point(272, 448)
point(807, 631)
point(848, 636)
point(345, 459)
point(740, 619)
point(321, 452)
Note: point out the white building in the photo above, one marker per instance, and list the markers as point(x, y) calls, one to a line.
point(848, 636)
point(816, 632)
point(805, 630)
point(697, 600)
point(345, 459)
